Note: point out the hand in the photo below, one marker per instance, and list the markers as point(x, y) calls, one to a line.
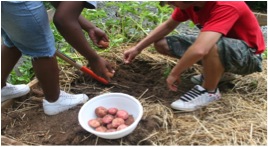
point(102, 68)
point(96, 35)
point(130, 54)
point(173, 81)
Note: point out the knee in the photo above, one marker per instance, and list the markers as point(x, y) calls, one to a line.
point(213, 53)
point(161, 46)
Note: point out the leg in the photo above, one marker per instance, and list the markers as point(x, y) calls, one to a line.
point(9, 58)
point(47, 72)
point(200, 96)
point(162, 47)
point(32, 35)
point(174, 46)
point(213, 69)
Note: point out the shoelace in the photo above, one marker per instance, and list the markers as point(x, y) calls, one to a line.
point(192, 94)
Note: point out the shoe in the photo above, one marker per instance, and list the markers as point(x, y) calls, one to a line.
point(64, 102)
point(198, 79)
point(196, 98)
point(13, 91)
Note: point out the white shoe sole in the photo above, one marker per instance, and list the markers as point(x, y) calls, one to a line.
point(58, 108)
point(183, 109)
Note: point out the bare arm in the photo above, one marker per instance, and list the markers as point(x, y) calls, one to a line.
point(201, 47)
point(85, 24)
point(94, 32)
point(158, 33)
point(66, 19)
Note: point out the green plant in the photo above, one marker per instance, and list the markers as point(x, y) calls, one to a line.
point(191, 24)
point(264, 54)
point(167, 71)
point(47, 5)
point(23, 74)
point(132, 20)
point(259, 6)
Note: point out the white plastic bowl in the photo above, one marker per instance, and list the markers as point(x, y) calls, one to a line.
point(108, 100)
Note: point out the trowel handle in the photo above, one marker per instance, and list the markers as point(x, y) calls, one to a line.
point(80, 67)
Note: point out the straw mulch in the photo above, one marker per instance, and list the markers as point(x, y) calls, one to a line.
point(239, 118)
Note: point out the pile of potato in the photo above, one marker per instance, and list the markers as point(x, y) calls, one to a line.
point(110, 120)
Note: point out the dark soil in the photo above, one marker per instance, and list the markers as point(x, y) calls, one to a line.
point(27, 123)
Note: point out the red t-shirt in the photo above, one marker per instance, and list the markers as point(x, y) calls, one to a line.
point(232, 19)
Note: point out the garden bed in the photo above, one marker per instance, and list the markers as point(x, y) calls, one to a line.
point(239, 118)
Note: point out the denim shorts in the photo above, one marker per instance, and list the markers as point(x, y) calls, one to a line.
point(25, 25)
point(235, 55)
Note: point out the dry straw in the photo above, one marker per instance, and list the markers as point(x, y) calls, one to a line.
point(239, 118)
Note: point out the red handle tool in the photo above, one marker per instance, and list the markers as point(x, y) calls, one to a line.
point(80, 67)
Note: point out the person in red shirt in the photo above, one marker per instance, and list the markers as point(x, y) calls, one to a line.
point(230, 40)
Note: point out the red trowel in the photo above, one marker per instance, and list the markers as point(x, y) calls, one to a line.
point(80, 67)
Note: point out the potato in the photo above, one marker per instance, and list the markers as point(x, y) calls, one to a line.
point(112, 111)
point(101, 111)
point(121, 127)
point(100, 120)
point(129, 120)
point(122, 114)
point(117, 122)
point(103, 44)
point(101, 129)
point(110, 126)
point(110, 74)
point(107, 119)
point(94, 123)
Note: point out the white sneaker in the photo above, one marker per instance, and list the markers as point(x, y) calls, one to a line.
point(13, 91)
point(65, 102)
point(198, 79)
point(196, 98)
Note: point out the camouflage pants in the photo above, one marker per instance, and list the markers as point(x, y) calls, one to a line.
point(235, 55)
